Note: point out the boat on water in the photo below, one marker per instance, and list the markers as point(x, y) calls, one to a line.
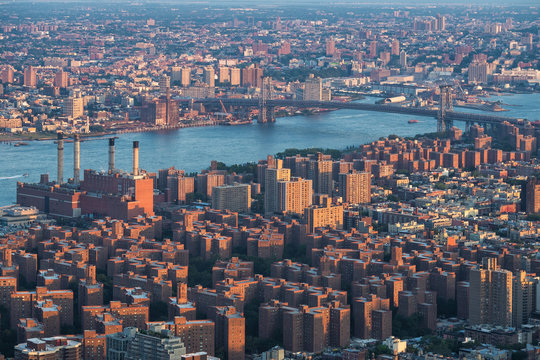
point(25, 174)
point(412, 121)
point(237, 122)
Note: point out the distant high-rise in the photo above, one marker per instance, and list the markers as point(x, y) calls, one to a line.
point(162, 111)
point(30, 77)
point(285, 48)
point(176, 74)
point(478, 72)
point(235, 77)
point(441, 22)
point(232, 197)
point(164, 84)
point(330, 47)
point(501, 297)
point(7, 75)
point(206, 182)
point(395, 47)
point(74, 106)
point(532, 196)
point(367, 325)
point(523, 295)
point(490, 300)
point(185, 77)
point(61, 79)
point(209, 76)
point(224, 75)
point(373, 49)
point(294, 195)
point(277, 23)
point(320, 171)
point(272, 176)
point(355, 188)
point(178, 188)
point(403, 59)
point(230, 331)
point(313, 89)
point(252, 76)
point(326, 214)
point(117, 344)
point(385, 57)
point(162, 346)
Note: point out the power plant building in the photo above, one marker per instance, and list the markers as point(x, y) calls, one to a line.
point(114, 193)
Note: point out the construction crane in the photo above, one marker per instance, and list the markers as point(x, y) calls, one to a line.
point(459, 92)
point(228, 116)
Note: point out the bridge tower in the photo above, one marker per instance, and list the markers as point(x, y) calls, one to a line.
point(266, 113)
point(445, 105)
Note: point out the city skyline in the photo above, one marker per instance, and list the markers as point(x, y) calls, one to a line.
point(269, 180)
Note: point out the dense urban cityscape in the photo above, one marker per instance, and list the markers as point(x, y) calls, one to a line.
point(400, 221)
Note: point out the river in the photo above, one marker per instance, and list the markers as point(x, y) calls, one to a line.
point(192, 149)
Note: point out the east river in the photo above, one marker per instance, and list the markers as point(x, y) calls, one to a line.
point(192, 149)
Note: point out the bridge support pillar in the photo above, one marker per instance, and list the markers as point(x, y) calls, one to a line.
point(445, 105)
point(440, 124)
point(266, 114)
point(271, 113)
point(444, 125)
point(262, 118)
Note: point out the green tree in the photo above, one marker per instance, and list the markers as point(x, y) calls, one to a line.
point(8, 336)
point(158, 311)
point(200, 271)
point(257, 206)
point(381, 349)
point(408, 327)
point(107, 282)
point(296, 252)
point(334, 153)
point(446, 307)
point(438, 345)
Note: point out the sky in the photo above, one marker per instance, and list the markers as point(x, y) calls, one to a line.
point(323, 2)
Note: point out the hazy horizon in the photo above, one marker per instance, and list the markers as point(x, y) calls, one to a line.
point(306, 2)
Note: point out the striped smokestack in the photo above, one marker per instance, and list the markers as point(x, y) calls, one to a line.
point(76, 159)
point(135, 158)
point(60, 169)
point(111, 155)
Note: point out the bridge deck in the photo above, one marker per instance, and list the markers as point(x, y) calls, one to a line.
point(450, 115)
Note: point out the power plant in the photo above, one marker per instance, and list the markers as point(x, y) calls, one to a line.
point(135, 158)
point(76, 159)
point(115, 193)
point(60, 169)
point(111, 155)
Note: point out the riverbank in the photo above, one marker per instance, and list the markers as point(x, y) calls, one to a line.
point(44, 136)
point(192, 149)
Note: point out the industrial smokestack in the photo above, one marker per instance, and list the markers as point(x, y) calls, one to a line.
point(135, 158)
point(111, 155)
point(76, 159)
point(60, 170)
